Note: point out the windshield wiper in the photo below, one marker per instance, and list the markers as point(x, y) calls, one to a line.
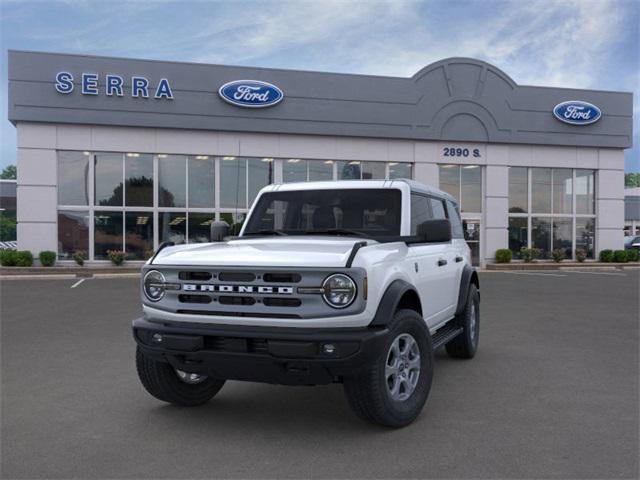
point(337, 231)
point(266, 232)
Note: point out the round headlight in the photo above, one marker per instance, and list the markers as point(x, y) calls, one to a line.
point(339, 290)
point(153, 285)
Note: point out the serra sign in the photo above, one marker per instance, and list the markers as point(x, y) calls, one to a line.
point(113, 85)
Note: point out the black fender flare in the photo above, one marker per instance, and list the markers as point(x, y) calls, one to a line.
point(469, 276)
point(389, 302)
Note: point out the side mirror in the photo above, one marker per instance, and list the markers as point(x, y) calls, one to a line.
point(435, 231)
point(219, 230)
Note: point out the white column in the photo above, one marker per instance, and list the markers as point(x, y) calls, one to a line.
point(610, 200)
point(37, 188)
point(496, 210)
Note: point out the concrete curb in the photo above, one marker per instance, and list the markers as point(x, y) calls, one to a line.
point(80, 272)
point(562, 266)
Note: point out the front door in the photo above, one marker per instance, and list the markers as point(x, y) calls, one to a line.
point(472, 236)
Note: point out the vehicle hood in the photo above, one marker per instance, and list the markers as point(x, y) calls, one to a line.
point(304, 251)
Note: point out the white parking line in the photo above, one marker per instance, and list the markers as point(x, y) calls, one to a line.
point(599, 273)
point(78, 283)
point(538, 274)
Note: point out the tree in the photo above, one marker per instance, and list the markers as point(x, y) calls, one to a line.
point(9, 172)
point(632, 180)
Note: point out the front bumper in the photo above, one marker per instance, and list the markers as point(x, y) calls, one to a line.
point(288, 356)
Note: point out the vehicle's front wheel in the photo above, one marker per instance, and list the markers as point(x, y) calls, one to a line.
point(175, 386)
point(393, 389)
point(466, 344)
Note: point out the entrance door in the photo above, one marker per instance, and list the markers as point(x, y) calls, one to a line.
point(472, 236)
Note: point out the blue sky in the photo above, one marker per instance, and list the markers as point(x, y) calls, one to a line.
point(568, 43)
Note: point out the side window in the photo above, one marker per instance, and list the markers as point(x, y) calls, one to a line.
point(454, 218)
point(437, 207)
point(420, 211)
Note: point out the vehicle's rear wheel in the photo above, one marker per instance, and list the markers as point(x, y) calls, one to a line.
point(466, 344)
point(393, 389)
point(175, 386)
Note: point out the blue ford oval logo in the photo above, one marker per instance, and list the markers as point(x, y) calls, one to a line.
point(577, 112)
point(250, 93)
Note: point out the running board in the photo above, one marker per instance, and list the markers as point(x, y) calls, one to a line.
point(445, 335)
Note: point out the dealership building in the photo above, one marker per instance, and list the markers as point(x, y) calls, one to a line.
point(124, 154)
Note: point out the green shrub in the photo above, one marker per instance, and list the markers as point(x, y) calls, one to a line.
point(526, 254)
point(24, 258)
point(8, 258)
point(80, 256)
point(633, 255)
point(117, 257)
point(47, 258)
point(503, 255)
point(606, 255)
point(581, 254)
point(620, 256)
point(558, 255)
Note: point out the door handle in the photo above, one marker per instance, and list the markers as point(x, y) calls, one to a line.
point(442, 262)
point(459, 259)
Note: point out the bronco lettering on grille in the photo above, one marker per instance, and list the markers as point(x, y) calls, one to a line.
point(192, 287)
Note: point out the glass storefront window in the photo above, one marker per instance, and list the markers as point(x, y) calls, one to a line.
point(541, 190)
point(373, 170)
point(107, 233)
point(320, 170)
point(138, 237)
point(108, 179)
point(73, 178)
point(73, 233)
point(585, 235)
point(200, 227)
point(349, 170)
point(541, 235)
point(233, 182)
point(471, 188)
point(563, 235)
point(518, 190)
point(202, 180)
point(260, 175)
point(517, 235)
point(450, 180)
point(172, 227)
point(399, 170)
point(294, 170)
point(138, 174)
point(585, 192)
point(172, 185)
point(562, 190)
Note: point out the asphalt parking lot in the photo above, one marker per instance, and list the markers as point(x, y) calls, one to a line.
point(552, 393)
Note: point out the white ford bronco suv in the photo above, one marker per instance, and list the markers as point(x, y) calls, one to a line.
point(352, 282)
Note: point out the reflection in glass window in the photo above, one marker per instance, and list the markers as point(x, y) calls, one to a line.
point(138, 238)
point(517, 235)
point(399, 170)
point(585, 191)
point(518, 190)
point(350, 170)
point(233, 182)
point(373, 170)
point(450, 180)
point(107, 232)
point(437, 209)
point(420, 211)
point(108, 179)
point(172, 188)
point(234, 220)
point(73, 233)
point(454, 218)
point(138, 177)
point(562, 235)
point(202, 176)
point(585, 235)
point(320, 170)
point(200, 227)
point(172, 227)
point(562, 190)
point(294, 170)
point(73, 178)
point(541, 190)
point(471, 186)
point(260, 175)
point(541, 235)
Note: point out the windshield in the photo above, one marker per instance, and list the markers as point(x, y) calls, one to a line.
point(358, 212)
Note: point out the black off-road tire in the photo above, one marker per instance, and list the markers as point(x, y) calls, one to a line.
point(161, 380)
point(368, 393)
point(465, 345)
